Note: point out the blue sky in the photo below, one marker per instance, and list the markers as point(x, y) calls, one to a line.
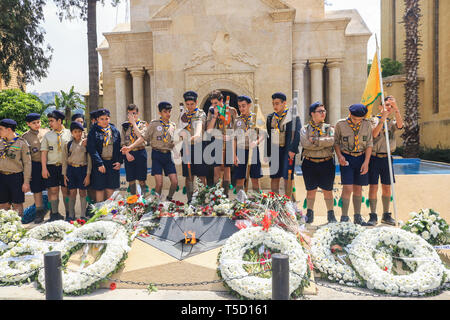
point(69, 65)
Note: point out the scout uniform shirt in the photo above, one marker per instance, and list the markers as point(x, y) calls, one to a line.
point(54, 145)
point(160, 135)
point(15, 157)
point(108, 149)
point(245, 123)
point(355, 140)
point(221, 122)
point(34, 139)
point(191, 121)
point(128, 136)
point(322, 146)
point(379, 143)
point(76, 156)
point(278, 125)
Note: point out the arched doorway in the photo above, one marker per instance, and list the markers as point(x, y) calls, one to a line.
point(226, 93)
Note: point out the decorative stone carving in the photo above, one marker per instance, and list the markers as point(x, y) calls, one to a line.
point(244, 80)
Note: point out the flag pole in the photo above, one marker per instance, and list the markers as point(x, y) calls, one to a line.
point(388, 147)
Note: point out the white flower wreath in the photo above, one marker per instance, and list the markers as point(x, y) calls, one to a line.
point(116, 241)
point(56, 229)
point(323, 257)
point(428, 272)
point(254, 287)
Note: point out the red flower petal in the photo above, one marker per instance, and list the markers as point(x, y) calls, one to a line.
point(112, 286)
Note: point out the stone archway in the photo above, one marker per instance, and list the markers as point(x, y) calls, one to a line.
point(233, 100)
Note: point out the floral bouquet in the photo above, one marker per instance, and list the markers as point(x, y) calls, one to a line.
point(11, 229)
point(213, 199)
point(429, 225)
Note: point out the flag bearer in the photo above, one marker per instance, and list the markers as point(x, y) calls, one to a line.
point(317, 139)
point(135, 158)
point(76, 170)
point(104, 148)
point(353, 146)
point(246, 139)
point(160, 136)
point(282, 141)
point(34, 137)
point(379, 166)
point(51, 159)
point(15, 167)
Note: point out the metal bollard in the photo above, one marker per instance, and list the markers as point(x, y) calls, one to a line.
point(53, 276)
point(280, 276)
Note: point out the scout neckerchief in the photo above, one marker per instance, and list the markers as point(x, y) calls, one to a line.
point(189, 117)
point(279, 118)
point(107, 135)
point(224, 116)
point(246, 120)
point(165, 130)
point(6, 145)
point(316, 129)
point(59, 137)
point(355, 128)
point(133, 136)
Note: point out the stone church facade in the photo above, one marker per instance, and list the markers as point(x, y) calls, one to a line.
point(252, 47)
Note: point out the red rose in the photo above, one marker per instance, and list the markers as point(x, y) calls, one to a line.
point(112, 286)
point(385, 268)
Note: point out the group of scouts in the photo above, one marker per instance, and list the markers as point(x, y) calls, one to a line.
point(74, 161)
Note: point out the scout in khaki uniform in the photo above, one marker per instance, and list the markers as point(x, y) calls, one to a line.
point(159, 135)
point(353, 145)
point(135, 158)
point(282, 139)
point(317, 139)
point(15, 167)
point(34, 137)
point(221, 118)
point(104, 148)
point(51, 159)
point(78, 117)
point(379, 166)
point(246, 138)
point(91, 192)
point(192, 123)
point(76, 170)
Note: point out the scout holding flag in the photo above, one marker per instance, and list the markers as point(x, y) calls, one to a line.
point(76, 169)
point(317, 139)
point(280, 130)
point(160, 136)
point(104, 148)
point(15, 167)
point(245, 146)
point(221, 117)
point(353, 145)
point(136, 157)
point(51, 159)
point(192, 123)
point(34, 138)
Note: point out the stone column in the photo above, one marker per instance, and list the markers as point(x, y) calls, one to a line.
point(299, 84)
point(138, 87)
point(120, 76)
point(316, 80)
point(334, 107)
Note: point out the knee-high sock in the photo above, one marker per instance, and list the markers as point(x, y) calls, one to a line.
point(189, 189)
point(357, 204)
point(330, 204)
point(54, 205)
point(386, 203)
point(226, 186)
point(83, 206)
point(133, 188)
point(66, 204)
point(345, 205)
point(72, 207)
point(373, 205)
point(310, 203)
point(172, 190)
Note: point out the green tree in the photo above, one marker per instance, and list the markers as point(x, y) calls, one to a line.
point(87, 11)
point(15, 104)
point(389, 67)
point(22, 41)
point(67, 102)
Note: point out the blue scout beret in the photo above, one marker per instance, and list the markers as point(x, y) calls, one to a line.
point(76, 125)
point(103, 112)
point(56, 114)
point(93, 114)
point(279, 95)
point(314, 106)
point(77, 115)
point(190, 95)
point(8, 123)
point(358, 110)
point(245, 98)
point(164, 105)
point(32, 116)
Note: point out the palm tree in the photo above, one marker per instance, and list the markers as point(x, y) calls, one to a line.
point(67, 102)
point(411, 134)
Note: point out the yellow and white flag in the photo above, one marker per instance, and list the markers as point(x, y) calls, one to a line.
point(373, 86)
point(260, 121)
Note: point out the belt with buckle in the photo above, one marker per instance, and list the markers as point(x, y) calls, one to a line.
point(107, 159)
point(318, 160)
point(380, 155)
point(56, 164)
point(77, 165)
point(353, 154)
point(7, 173)
point(138, 149)
point(162, 151)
